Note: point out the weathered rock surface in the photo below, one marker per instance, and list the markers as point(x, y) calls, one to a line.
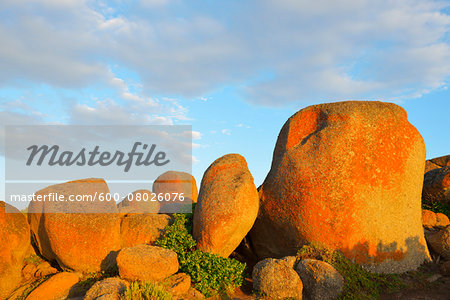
point(431, 219)
point(347, 175)
point(291, 261)
point(14, 244)
point(275, 279)
point(146, 263)
point(31, 271)
point(79, 235)
point(428, 218)
point(436, 186)
point(107, 289)
point(439, 241)
point(140, 201)
point(179, 188)
point(442, 220)
point(177, 182)
point(143, 228)
point(55, 288)
point(178, 284)
point(437, 162)
point(227, 206)
point(193, 294)
point(320, 280)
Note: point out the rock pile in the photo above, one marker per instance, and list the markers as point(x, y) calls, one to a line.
point(346, 175)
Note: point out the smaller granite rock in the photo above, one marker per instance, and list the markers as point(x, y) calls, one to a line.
point(428, 218)
point(146, 263)
point(143, 228)
point(107, 289)
point(291, 261)
point(178, 284)
point(436, 186)
point(439, 241)
point(437, 162)
point(445, 268)
point(139, 201)
point(28, 271)
point(442, 220)
point(193, 294)
point(320, 280)
point(276, 279)
point(44, 269)
point(177, 182)
point(57, 287)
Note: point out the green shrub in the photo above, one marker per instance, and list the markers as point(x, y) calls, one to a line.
point(209, 273)
point(358, 282)
point(177, 237)
point(145, 291)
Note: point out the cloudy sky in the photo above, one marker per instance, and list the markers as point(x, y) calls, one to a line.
point(234, 70)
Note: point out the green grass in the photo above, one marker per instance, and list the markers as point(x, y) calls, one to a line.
point(145, 291)
point(210, 274)
point(358, 282)
point(33, 259)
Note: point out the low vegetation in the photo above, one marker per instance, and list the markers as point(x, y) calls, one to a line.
point(33, 259)
point(358, 283)
point(145, 291)
point(210, 274)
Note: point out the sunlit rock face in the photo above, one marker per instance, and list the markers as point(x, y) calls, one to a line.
point(347, 175)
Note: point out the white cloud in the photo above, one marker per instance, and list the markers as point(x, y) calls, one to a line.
point(315, 50)
point(226, 131)
point(196, 135)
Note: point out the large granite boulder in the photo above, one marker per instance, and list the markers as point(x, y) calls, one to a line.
point(227, 206)
point(80, 235)
point(347, 175)
point(14, 245)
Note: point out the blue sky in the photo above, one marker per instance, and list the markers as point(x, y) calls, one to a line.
point(235, 70)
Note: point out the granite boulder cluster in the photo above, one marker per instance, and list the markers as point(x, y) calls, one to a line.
point(348, 176)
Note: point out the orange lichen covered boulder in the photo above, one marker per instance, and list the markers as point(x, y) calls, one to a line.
point(57, 287)
point(143, 228)
point(140, 201)
point(346, 175)
point(227, 206)
point(79, 235)
point(176, 182)
point(14, 244)
point(442, 220)
point(428, 218)
point(147, 263)
point(436, 163)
